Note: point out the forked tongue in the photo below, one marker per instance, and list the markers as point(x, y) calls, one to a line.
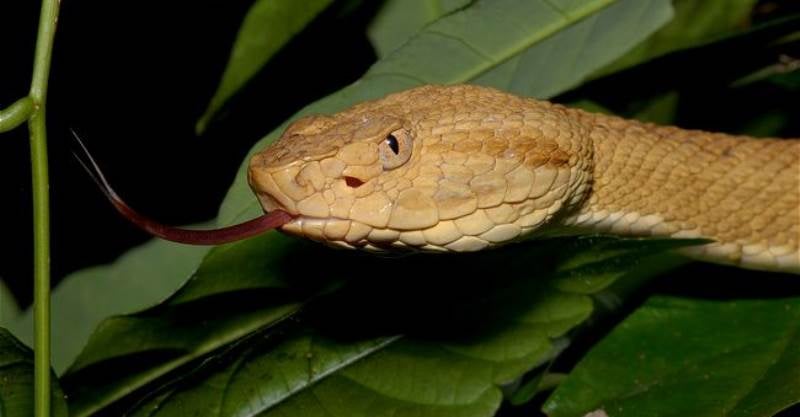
point(261, 224)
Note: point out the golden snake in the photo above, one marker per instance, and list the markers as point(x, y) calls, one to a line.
point(463, 168)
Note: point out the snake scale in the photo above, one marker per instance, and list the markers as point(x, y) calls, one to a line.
point(463, 168)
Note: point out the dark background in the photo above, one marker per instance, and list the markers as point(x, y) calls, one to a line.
point(133, 78)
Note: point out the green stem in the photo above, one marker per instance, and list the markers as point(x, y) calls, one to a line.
point(16, 114)
point(41, 205)
point(41, 263)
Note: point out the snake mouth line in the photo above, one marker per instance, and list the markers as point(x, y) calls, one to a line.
point(299, 220)
point(343, 233)
point(352, 234)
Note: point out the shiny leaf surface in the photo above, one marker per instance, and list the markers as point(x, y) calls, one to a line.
point(690, 357)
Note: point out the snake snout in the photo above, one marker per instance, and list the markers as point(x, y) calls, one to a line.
point(277, 190)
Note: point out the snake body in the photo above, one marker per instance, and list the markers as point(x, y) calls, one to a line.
point(462, 168)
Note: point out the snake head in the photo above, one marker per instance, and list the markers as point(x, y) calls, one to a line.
point(432, 168)
point(337, 174)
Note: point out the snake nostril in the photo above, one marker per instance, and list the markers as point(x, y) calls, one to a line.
point(353, 182)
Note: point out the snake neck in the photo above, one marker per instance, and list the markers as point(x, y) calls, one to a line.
point(741, 192)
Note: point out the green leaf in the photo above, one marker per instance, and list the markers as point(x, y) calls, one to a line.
point(9, 310)
point(530, 28)
point(570, 56)
point(267, 27)
point(452, 361)
point(695, 23)
point(398, 20)
point(16, 380)
point(142, 277)
point(237, 290)
point(692, 358)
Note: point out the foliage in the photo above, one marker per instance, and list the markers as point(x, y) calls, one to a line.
point(349, 326)
point(9, 310)
point(722, 368)
point(16, 380)
point(269, 25)
point(140, 278)
point(694, 23)
point(275, 326)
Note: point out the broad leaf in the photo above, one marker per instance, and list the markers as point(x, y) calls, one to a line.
point(557, 64)
point(267, 27)
point(16, 380)
point(469, 332)
point(138, 279)
point(398, 20)
point(239, 289)
point(692, 358)
point(695, 23)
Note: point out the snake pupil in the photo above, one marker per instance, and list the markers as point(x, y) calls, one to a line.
point(391, 140)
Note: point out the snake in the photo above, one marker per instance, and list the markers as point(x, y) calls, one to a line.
point(464, 168)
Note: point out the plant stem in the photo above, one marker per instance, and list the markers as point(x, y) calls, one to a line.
point(41, 263)
point(41, 206)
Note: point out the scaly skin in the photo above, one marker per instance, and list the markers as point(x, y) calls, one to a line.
point(486, 168)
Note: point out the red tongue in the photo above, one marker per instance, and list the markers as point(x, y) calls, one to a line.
point(219, 236)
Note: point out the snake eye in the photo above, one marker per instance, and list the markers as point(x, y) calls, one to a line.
point(395, 149)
